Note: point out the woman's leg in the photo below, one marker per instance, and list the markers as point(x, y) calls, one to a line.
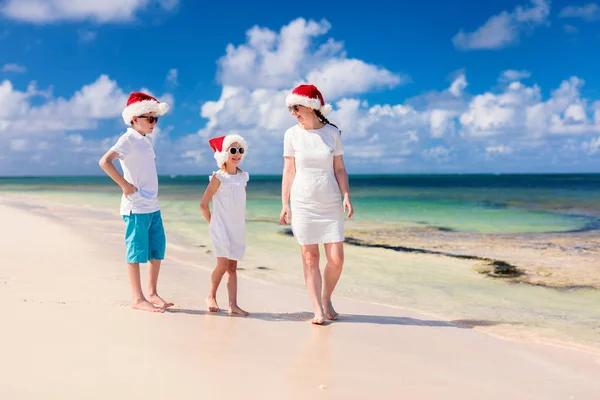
point(312, 278)
point(335, 262)
point(215, 280)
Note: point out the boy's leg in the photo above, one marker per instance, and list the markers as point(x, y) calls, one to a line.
point(157, 246)
point(136, 242)
point(232, 289)
point(215, 280)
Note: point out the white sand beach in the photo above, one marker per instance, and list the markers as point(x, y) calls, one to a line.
point(68, 333)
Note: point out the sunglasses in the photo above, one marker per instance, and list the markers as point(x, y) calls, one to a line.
point(236, 150)
point(152, 119)
point(293, 108)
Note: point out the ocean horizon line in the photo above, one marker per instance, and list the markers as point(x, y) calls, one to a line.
point(359, 175)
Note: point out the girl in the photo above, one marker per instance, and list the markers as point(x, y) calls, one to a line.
point(227, 190)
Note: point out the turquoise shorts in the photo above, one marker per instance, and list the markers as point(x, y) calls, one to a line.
point(144, 237)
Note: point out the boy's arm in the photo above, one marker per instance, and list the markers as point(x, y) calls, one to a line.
point(208, 195)
point(106, 163)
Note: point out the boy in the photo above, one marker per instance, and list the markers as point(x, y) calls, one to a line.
point(144, 233)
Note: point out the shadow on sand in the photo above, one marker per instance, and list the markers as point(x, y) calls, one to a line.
point(348, 319)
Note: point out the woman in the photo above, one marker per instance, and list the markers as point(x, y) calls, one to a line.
point(313, 176)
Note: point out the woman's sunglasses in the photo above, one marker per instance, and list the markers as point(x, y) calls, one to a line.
point(293, 108)
point(152, 119)
point(235, 150)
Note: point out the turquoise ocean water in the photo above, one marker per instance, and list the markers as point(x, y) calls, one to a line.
point(478, 204)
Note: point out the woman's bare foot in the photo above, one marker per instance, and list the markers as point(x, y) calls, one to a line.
point(158, 301)
point(211, 302)
point(145, 305)
point(330, 313)
point(318, 318)
point(238, 311)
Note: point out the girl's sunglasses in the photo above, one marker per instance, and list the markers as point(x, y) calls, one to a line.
point(293, 108)
point(236, 150)
point(152, 119)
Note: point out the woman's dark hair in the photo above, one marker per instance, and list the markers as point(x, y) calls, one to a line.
point(324, 120)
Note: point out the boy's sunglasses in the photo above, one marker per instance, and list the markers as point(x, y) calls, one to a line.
point(152, 119)
point(293, 108)
point(235, 150)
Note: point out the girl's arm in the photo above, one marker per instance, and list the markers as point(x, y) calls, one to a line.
point(342, 178)
point(210, 191)
point(289, 173)
point(106, 163)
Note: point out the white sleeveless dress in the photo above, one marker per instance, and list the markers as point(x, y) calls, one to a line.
point(228, 218)
point(316, 203)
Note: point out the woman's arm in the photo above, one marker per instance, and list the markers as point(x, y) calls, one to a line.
point(210, 191)
point(289, 173)
point(342, 178)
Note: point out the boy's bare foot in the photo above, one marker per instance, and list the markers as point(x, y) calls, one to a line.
point(211, 302)
point(158, 301)
point(330, 313)
point(238, 311)
point(145, 305)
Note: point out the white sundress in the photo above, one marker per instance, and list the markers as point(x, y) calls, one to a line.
point(228, 218)
point(316, 203)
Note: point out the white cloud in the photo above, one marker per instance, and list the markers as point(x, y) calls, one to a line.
point(589, 12)
point(172, 77)
point(47, 11)
point(591, 147)
point(519, 110)
point(439, 153)
point(504, 29)
point(86, 36)
point(19, 69)
point(500, 149)
point(271, 60)
point(512, 75)
point(458, 85)
point(570, 29)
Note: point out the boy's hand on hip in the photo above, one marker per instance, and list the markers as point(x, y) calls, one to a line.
point(129, 189)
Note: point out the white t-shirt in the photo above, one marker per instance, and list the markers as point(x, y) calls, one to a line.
point(136, 156)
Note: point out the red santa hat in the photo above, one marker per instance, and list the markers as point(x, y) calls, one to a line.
point(140, 103)
point(308, 96)
point(221, 144)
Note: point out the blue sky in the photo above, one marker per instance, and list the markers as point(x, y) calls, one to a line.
point(417, 87)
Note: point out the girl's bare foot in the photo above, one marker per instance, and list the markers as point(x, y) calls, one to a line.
point(145, 305)
point(211, 302)
point(158, 301)
point(330, 313)
point(238, 311)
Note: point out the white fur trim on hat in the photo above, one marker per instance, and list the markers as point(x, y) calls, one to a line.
point(222, 156)
point(292, 99)
point(143, 107)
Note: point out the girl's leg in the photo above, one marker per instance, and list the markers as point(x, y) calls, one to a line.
point(232, 289)
point(335, 261)
point(215, 280)
point(312, 278)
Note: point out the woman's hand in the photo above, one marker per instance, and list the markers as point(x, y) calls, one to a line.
point(285, 216)
point(348, 206)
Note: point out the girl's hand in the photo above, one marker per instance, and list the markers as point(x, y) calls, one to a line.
point(348, 206)
point(285, 216)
